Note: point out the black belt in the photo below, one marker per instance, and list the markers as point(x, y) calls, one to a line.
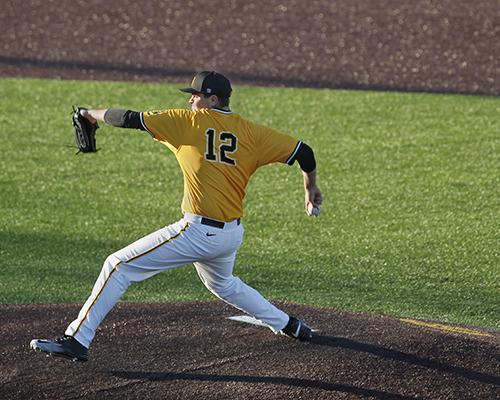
point(214, 223)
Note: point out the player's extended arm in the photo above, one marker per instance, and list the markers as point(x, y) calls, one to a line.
point(313, 196)
point(115, 117)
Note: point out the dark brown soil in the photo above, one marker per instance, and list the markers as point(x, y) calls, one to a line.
point(425, 45)
point(189, 350)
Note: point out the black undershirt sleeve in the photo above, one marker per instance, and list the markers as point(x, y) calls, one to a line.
point(123, 118)
point(305, 158)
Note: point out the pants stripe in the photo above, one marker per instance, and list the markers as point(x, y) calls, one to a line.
point(118, 264)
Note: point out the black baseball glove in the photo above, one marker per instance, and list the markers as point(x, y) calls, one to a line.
point(84, 132)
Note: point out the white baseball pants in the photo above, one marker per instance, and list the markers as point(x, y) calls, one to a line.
point(212, 251)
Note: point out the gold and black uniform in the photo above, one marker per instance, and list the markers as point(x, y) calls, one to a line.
point(217, 151)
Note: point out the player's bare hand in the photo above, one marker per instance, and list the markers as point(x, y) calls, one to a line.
point(314, 196)
point(313, 201)
point(86, 113)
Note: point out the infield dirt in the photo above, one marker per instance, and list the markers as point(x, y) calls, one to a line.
point(427, 45)
point(189, 350)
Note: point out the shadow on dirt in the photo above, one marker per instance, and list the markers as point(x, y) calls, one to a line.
point(161, 73)
point(413, 359)
point(330, 341)
point(273, 380)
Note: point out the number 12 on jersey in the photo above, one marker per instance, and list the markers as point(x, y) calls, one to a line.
point(228, 145)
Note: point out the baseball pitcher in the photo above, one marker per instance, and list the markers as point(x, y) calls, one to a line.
point(217, 151)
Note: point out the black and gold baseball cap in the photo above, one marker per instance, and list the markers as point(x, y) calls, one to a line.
point(208, 83)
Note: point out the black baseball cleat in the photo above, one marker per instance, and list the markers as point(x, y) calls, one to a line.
point(297, 329)
point(66, 346)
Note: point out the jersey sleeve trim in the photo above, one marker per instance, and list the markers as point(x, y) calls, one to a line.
point(144, 125)
point(291, 159)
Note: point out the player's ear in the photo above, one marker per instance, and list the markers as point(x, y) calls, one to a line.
point(214, 100)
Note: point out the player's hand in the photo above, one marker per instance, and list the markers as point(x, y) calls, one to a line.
point(85, 113)
point(313, 201)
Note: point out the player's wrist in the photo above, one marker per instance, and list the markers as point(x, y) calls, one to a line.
point(93, 115)
point(309, 180)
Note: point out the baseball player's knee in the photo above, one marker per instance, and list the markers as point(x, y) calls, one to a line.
point(115, 272)
point(110, 262)
point(225, 288)
point(113, 267)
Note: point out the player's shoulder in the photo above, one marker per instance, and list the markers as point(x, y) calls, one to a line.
point(215, 112)
point(223, 116)
point(168, 114)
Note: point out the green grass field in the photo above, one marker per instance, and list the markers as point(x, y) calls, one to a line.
point(409, 227)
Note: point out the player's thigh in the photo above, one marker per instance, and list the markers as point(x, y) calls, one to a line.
point(166, 248)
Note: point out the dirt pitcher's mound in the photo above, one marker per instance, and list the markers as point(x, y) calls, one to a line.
point(190, 350)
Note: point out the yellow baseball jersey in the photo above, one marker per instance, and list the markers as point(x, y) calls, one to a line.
point(217, 151)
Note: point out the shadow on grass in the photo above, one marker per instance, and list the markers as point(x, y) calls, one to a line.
point(272, 380)
point(52, 258)
point(30, 247)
